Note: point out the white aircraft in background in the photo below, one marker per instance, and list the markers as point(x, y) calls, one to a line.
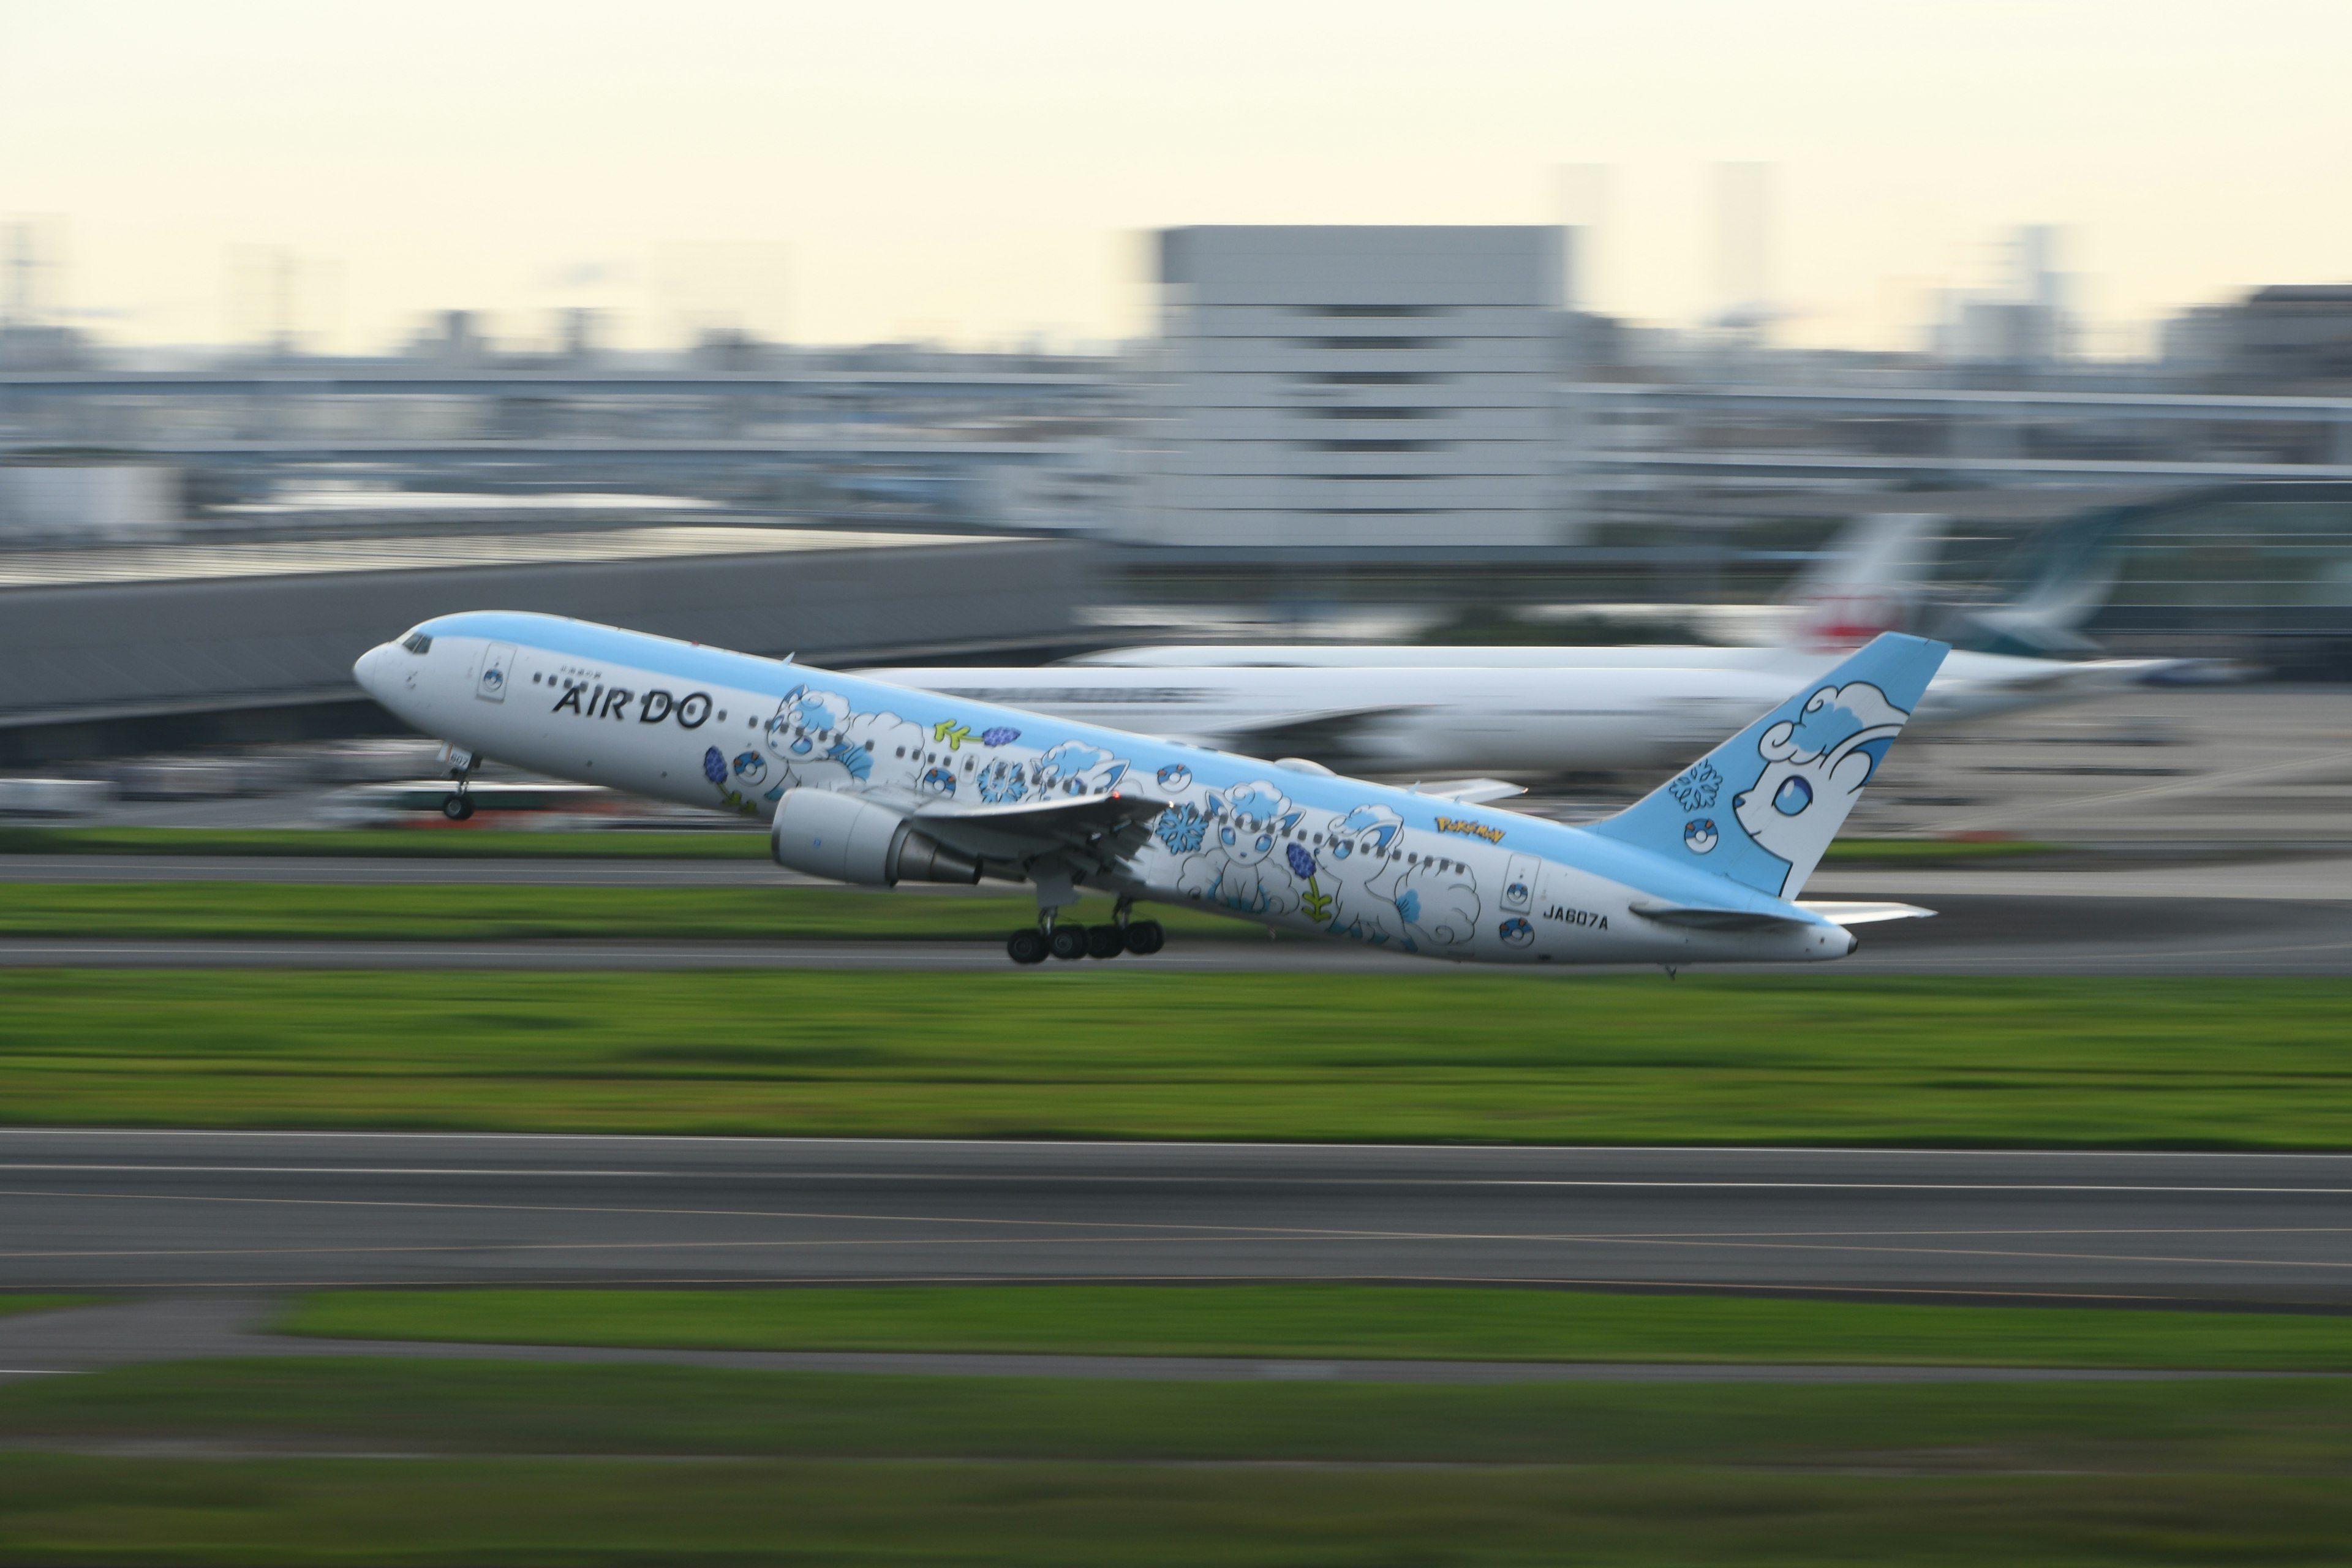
point(1431, 711)
point(1436, 711)
point(869, 782)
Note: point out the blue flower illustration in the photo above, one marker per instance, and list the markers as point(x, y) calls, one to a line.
point(1000, 736)
point(714, 765)
point(1302, 864)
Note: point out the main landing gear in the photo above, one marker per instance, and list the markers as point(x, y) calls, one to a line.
point(1053, 939)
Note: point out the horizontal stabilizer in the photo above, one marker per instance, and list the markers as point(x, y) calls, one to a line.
point(1863, 914)
point(1706, 917)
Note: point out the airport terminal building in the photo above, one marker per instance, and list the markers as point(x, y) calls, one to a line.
point(1354, 388)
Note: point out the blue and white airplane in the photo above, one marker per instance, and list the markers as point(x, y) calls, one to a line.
point(873, 783)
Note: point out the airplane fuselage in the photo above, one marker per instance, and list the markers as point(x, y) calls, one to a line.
point(1295, 849)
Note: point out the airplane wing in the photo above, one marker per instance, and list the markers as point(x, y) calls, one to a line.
point(1320, 734)
point(1469, 792)
point(1701, 916)
point(1105, 827)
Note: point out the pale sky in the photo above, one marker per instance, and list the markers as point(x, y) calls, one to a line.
point(978, 172)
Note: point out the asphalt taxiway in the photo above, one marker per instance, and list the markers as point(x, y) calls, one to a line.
point(1972, 933)
point(2283, 916)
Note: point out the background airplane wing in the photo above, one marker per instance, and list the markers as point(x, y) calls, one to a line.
point(1335, 737)
point(1469, 792)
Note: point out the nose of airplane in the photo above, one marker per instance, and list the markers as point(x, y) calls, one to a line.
point(368, 668)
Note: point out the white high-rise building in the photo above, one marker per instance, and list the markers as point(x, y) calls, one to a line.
point(1355, 388)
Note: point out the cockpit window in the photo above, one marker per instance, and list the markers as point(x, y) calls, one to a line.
point(417, 642)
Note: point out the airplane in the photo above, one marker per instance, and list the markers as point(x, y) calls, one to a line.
point(1470, 710)
point(1530, 709)
point(870, 784)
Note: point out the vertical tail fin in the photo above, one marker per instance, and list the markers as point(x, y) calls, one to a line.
point(1761, 807)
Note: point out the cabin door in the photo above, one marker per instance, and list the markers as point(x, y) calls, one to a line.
point(1519, 885)
point(497, 667)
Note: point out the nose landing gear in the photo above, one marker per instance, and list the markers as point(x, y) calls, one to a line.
point(457, 805)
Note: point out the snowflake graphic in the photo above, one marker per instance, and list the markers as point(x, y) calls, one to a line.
point(1182, 827)
point(1696, 790)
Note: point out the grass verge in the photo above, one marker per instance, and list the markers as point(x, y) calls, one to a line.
point(1340, 1320)
point(431, 842)
point(15, 1305)
point(277, 911)
point(1102, 1052)
point(622, 1464)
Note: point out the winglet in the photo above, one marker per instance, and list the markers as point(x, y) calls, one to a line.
point(1761, 808)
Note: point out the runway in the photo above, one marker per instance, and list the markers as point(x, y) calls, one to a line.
point(237, 1213)
point(1972, 933)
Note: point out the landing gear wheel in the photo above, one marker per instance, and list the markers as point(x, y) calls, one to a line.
point(1104, 942)
point(1026, 945)
point(457, 807)
point(1067, 942)
point(1145, 938)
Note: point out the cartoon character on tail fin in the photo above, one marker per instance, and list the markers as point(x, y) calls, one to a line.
point(1816, 761)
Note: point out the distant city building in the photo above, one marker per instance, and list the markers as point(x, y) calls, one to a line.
point(2286, 338)
point(1354, 388)
point(2023, 323)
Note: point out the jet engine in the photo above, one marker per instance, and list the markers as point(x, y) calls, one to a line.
point(848, 839)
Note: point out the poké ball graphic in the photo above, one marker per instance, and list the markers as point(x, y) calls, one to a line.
point(753, 769)
point(1517, 931)
point(494, 678)
point(942, 780)
point(1699, 834)
point(1175, 775)
point(1516, 893)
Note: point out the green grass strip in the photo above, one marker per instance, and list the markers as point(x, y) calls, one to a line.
point(620, 1465)
point(13, 1306)
point(1100, 1051)
point(430, 842)
point(525, 1407)
point(288, 912)
point(1339, 1320)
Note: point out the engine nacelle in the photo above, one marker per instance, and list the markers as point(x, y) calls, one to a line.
point(847, 839)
